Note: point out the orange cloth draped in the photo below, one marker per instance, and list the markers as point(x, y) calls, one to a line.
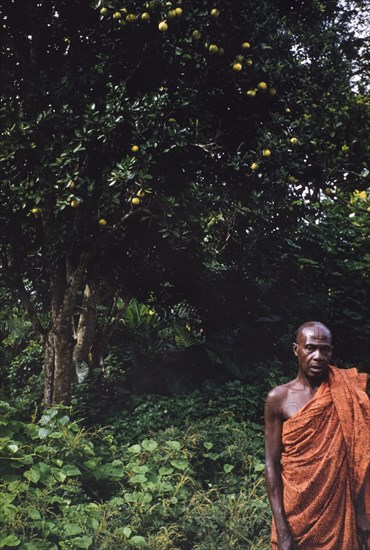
point(326, 453)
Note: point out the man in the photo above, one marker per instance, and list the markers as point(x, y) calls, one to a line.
point(317, 437)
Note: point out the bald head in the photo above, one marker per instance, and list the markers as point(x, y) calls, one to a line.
point(313, 326)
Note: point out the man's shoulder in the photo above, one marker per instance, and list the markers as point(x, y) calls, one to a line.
point(279, 392)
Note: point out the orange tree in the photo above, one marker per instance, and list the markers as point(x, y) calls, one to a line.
point(136, 128)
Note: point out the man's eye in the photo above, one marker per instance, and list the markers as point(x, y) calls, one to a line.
point(310, 348)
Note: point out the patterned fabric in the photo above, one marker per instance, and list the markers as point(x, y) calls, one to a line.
point(326, 453)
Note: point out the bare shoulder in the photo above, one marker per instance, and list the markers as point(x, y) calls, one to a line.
point(279, 393)
point(275, 401)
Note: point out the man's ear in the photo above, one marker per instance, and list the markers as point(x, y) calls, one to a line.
point(295, 348)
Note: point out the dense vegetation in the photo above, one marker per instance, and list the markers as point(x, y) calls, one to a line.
point(184, 183)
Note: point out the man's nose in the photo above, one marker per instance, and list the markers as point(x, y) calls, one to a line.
point(317, 353)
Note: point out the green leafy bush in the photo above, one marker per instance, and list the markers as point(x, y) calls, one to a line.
point(197, 484)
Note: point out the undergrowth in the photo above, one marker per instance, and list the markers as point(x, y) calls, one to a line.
point(190, 478)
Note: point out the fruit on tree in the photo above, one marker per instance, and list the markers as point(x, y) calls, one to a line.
point(163, 27)
point(135, 148)
point(102, 222)
point(104, 11)
point(266, 152)
point(213, 48)
point(117, 15)
point(214, 12)
point(293, 140)
point(262, 86)
point(74, 203)
point(136, 201)
point(251, 93)
point(196, 34)
point(246, 45)
point(255, 166)
point(237, 67)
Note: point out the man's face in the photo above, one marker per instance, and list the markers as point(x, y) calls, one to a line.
point(314, 351)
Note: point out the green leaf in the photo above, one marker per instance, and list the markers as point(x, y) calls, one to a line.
point(59, 476)
point(175, 445)
point(26, 460)
point(135, 449)
point(10, 510)
point(180, 464)
point(228, 468)
point(71, 529)
point(71, 470)
point(149, 444)
point(138, 542)
point(165, 470)
point(49, 415)
point(91, 464)
point(56, 435)
point(33, 513)
point(126, 531)
point(146, 498)
point(82, 542)
point(44, 432)
point(10, 540)
point(138, 478)
point(44, 470)
point(32, 475)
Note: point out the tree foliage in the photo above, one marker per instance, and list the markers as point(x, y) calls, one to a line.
point(147, 138)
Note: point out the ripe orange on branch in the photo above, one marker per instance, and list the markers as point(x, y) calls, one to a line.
point(237, 67)
point(163, 27)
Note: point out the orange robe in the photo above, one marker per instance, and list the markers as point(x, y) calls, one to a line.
point(326, 454)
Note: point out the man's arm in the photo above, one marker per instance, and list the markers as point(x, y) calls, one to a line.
point(273, 448)
point(363, 524)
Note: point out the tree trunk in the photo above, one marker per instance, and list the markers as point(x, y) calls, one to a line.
point(59, 342)
point(63, 365)
point(49, 368)
point(86, 330)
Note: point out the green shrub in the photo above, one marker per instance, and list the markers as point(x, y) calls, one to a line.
point(197, 484)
